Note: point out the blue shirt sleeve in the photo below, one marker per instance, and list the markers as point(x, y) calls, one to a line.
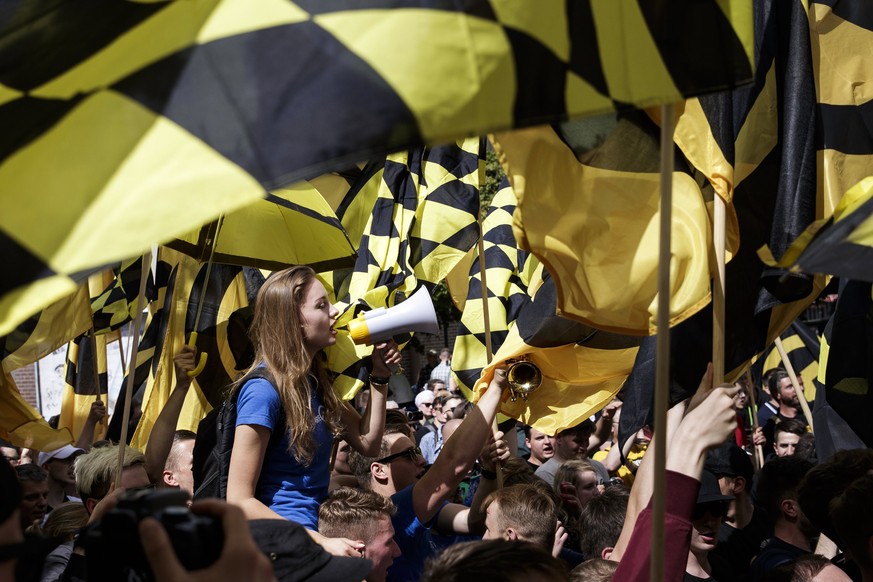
point(258, 404)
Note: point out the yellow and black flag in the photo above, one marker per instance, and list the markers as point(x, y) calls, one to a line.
point(802, 346)
point(154, 329)
point(841, 34)
point(115, 305)
point(23, 426)
point(227, 291)
point(81, 388)
point(582, 367)
point(756, 147)
point(416, 213)
point(842, 245)
point(127, 101)
point(594, 222)
point(844, 404)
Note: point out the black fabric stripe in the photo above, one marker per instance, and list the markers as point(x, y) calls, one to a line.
point(480, 8)
point(828, 249)
point(540, 327)
point(361, 180)
point(398, 178)
point(584, 50)
point(858, 12)
point(846, 128)
point(44, 39)
point(457, 161)
point(537, 67)
point(19, 266)
point(303, 77)
point(26, 119)
point(304, 210)
point(697, 44)
point(500, 234)
point(382, 223)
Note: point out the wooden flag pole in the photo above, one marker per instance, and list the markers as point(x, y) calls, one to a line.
point(718, 291)
point(486, 317)
point(662, 359)
point(96, 358)
point(137, 319)
point(753, 407)
point(801, 397)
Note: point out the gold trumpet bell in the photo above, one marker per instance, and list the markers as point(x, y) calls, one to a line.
point(523, 377)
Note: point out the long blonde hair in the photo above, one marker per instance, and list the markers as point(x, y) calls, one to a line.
point(277, 335)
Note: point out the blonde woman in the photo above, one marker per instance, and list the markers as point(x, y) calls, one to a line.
point(287, 421)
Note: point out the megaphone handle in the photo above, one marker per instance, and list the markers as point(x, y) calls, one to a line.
point(395, 368)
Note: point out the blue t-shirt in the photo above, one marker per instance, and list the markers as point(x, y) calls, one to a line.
point(412, 537)
point(292, 490)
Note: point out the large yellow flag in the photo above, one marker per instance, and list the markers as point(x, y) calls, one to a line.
point(595, 227)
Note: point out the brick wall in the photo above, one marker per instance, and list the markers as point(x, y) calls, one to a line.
point(26, 379)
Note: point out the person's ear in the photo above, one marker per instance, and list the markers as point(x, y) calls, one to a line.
point(789, 508)
point(606, 552)
point(739, 485)
point(379, 471)
point(510, 534)
point(90, 504)
point(169, 478)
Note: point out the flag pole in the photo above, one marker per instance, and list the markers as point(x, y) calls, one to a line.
point(753, 408)
point(192, 339)
point(718, 291)
point(662, 359)
point(801, 397)
point(96, 359)
point(134, 340)
point(486, 317)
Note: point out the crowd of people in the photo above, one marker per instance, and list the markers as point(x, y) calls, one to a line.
point(426, 489)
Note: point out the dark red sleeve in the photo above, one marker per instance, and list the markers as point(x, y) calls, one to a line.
point(635, 563)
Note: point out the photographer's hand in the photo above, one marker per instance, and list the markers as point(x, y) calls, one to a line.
point(240, 558)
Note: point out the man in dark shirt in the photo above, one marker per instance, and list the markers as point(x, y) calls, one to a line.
point(792, 531)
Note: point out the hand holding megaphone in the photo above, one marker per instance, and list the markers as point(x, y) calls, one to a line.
point(386, 359)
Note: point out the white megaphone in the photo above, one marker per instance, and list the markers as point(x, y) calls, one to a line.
point(381, 324)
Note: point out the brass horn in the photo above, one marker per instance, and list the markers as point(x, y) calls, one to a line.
point(523, 377)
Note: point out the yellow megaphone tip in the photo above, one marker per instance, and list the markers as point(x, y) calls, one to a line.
point(359, 331)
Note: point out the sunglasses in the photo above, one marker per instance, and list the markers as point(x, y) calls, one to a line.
point(412, 453)
point(714, 508)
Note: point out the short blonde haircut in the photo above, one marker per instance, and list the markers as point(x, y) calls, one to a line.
point(97, 469)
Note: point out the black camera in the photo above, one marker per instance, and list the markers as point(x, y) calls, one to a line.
point(414, 415)
point(113, 549)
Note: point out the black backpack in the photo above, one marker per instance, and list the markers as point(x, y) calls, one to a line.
point(214, 443)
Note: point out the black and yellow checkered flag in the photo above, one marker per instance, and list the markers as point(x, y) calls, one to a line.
point(582, 367)
point(128, 103)
point(154, 330)
point(417, 216)
point(115, 305)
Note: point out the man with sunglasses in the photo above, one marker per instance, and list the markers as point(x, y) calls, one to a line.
point(421, 496)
